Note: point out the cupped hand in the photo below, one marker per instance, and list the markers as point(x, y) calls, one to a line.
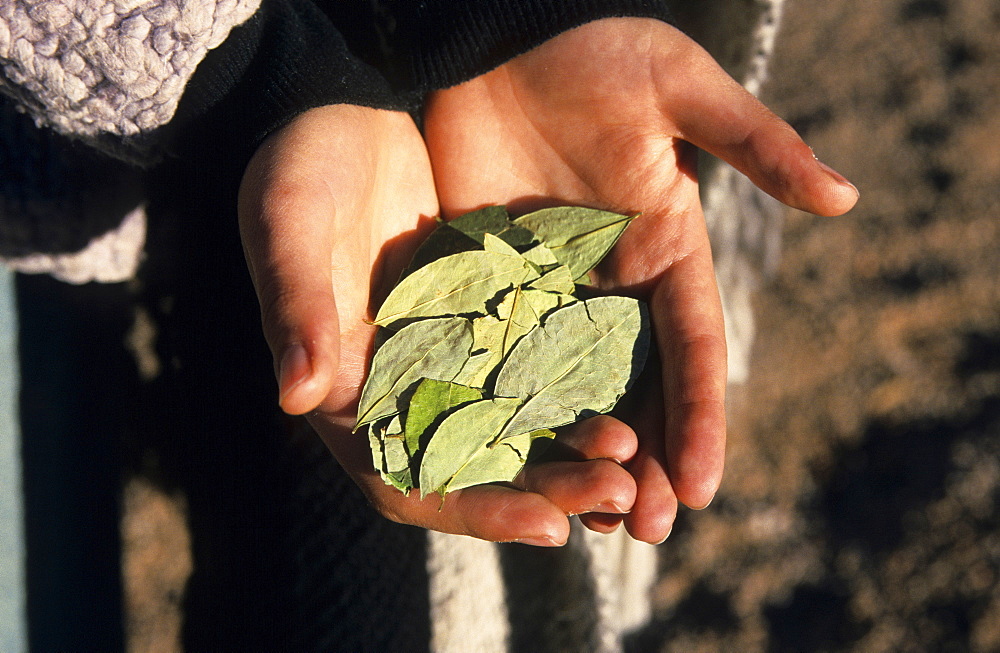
point(331, 208)
point(608, 115)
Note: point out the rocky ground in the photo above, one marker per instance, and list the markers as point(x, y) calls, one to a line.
point(861, 503)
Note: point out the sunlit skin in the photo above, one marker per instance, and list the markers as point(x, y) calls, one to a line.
point(606, 115)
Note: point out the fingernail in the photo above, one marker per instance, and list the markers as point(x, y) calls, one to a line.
point(609, 507)
point(541, 540)
point(294, 369)
point(666, 536)
point(837, 177)
point(707, 504)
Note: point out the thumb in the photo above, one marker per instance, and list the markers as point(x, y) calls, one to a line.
point(712, 111)
point(284, 229)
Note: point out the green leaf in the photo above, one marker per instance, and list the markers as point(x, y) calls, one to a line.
point(434, 349)
point(518, 318)
point(558, 280)
point(489, 347)
point(389, 454)
point(492, 220)
point(541, 256)
point(443, 241)
point(459, 437)
point(578, 237)
point(477, 368)
point(497, 245)
point(488, 332)
point(502, 461)
point(401, 480)
point(396, 457)
point(432, 398)
point(456, 284)
point(579, 362)
point(466, 233)
point(495, 335)
point(378, 453)
point(543, 302)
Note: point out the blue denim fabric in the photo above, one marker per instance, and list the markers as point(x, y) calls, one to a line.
point(12, 590)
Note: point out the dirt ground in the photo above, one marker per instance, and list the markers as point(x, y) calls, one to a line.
point(861, 502)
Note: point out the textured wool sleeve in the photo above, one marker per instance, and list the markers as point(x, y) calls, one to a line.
point(84, 67)
point(140, 79)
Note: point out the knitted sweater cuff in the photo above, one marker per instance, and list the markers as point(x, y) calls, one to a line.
point(449, 42)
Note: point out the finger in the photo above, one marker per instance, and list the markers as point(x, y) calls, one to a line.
point(711, 110)
point(688, 327)
point(285, 228)
point(655, 509)
point(600, 436)
point(487, 512)
point(579, 487)
point(501, 514)
point(601, 522)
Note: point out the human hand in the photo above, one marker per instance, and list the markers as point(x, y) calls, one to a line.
point(606, 115)
point(331, 208)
